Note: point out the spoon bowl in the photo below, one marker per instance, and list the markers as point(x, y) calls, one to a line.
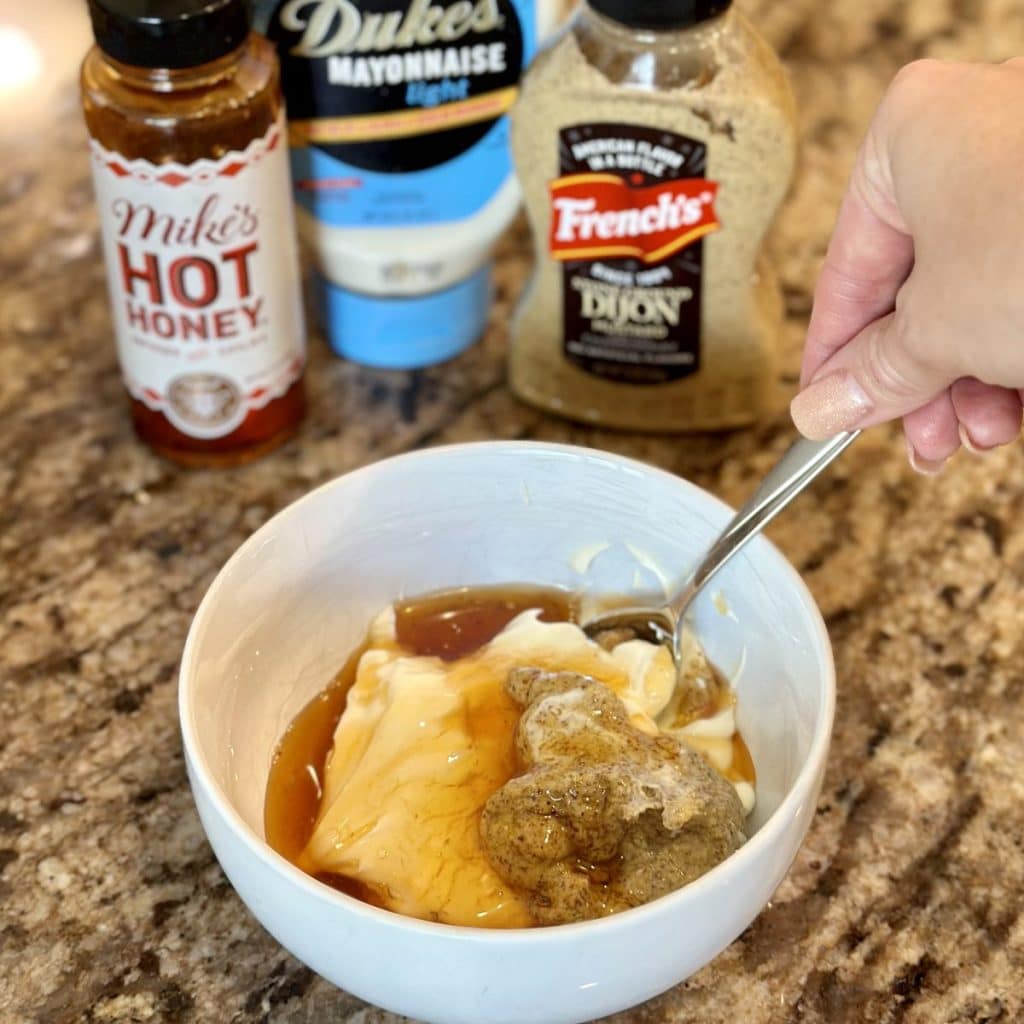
point(655, 625)
point(802, 462)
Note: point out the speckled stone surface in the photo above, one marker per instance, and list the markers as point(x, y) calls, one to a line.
point(905, 902)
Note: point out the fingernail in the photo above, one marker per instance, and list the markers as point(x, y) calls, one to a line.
point(926, 467)
point(965, 440)
point(826, 406)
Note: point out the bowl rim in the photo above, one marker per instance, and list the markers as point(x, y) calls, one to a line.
point(770, 832)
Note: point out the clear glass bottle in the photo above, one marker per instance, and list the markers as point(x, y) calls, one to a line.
point(654, 143)
point(183, 105)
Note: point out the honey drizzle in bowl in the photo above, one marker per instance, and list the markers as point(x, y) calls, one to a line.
point(449, 625)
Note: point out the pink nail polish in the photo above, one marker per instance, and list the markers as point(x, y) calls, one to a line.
point(825, 407)
point(965, 440)
point(926, 467)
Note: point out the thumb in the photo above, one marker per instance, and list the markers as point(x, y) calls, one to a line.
point(873, 378)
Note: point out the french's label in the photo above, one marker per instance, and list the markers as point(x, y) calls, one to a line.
point(602, 216)
point(390, 101)
point(202, 270)
point(628, 213)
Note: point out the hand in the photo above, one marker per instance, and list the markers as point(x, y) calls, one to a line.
point(919, 310)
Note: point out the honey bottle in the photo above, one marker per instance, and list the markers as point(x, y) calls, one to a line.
point(183, 106)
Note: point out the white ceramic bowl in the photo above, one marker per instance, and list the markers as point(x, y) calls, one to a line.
point(290, 605)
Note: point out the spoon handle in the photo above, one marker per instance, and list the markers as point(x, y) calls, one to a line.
point(801, 463)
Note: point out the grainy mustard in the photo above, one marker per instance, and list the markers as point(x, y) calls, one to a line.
point(654, 143)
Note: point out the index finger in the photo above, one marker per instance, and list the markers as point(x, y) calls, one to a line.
point(870, 255)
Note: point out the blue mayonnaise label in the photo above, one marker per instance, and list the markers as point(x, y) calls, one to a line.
point(397, 110)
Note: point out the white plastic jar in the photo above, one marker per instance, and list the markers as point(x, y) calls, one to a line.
point(400, 161)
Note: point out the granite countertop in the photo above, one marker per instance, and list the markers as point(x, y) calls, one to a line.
point(905, 902)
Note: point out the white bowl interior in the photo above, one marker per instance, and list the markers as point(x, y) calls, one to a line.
point(297, 597)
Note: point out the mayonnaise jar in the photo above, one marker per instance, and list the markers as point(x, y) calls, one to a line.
point(400, 161)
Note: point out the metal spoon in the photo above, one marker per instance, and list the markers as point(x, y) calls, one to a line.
point(802, 462)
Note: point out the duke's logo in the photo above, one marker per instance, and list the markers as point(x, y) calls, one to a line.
point(601, 215)
point(338, 26)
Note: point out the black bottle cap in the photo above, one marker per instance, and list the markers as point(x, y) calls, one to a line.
point(660, 14)
point(169, 33)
